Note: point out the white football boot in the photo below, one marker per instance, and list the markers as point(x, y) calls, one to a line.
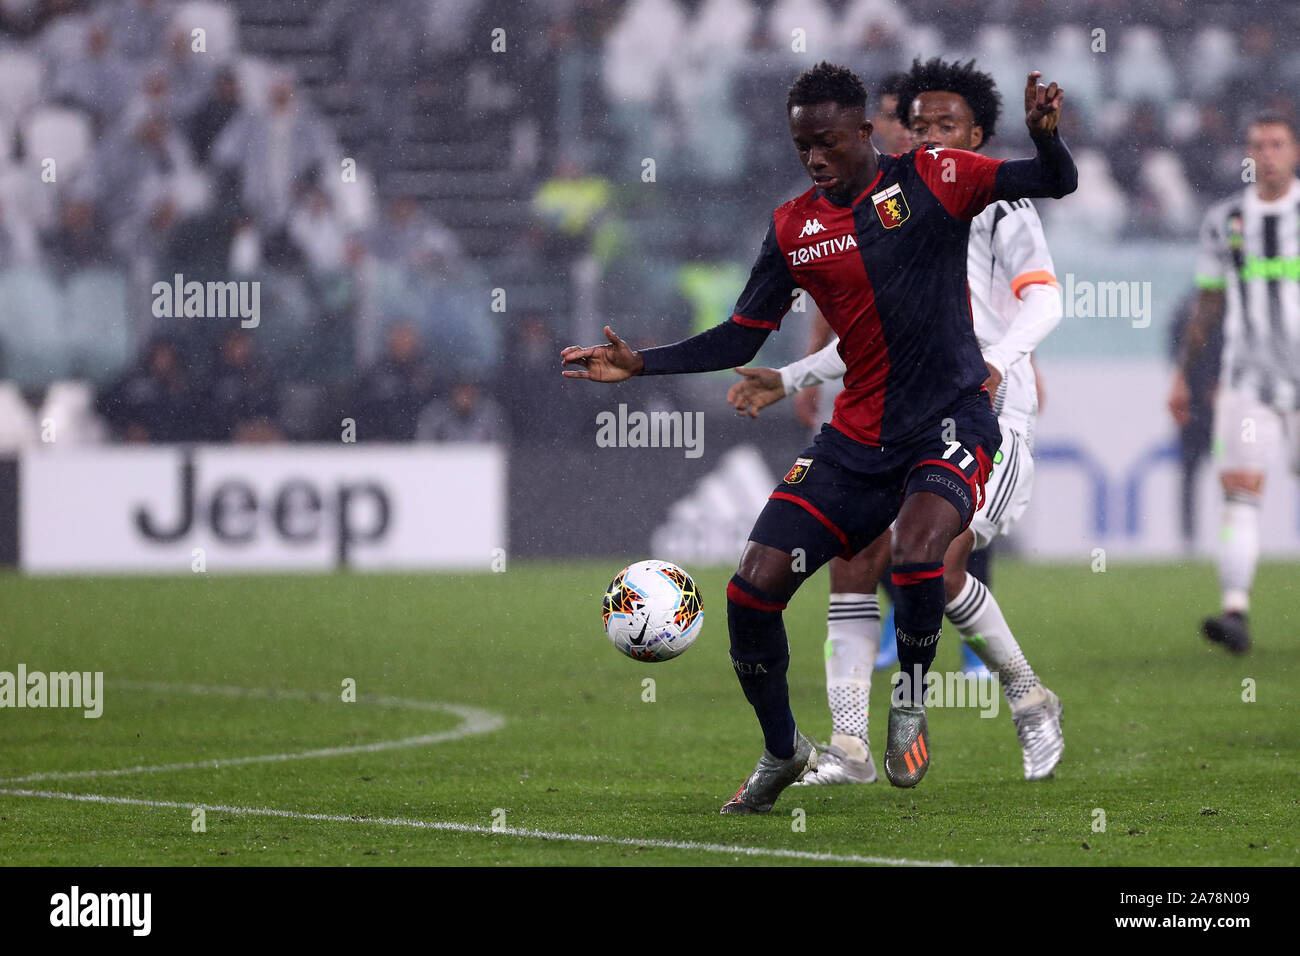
point(1041, 738)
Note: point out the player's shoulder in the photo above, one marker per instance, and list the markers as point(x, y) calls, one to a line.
point(1221, 209)
point(945, 157)
point(796, 204)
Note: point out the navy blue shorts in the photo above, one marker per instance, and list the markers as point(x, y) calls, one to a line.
point(840, 494)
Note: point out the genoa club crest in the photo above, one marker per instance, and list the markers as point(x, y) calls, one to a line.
point(798, 470)
point(891, 206)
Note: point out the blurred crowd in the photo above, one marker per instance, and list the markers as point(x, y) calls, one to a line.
point(387, 174)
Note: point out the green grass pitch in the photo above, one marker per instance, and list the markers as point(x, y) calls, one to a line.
point(1158, 736)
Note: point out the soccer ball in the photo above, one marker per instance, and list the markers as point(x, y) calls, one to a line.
point(652, 611)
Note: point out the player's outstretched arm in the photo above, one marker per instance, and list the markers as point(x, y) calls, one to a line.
point(726, 345)
point(603, 363)
point(1042, 105)
point(1051, 173)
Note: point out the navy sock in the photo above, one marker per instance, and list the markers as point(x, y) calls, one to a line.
point(918, 622)
point(760, 655)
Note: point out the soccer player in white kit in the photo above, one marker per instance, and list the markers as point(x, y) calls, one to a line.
point(1015, 303)
point(1248, 274)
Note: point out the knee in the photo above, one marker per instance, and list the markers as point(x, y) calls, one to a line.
point(918, 544)
point(767, 572)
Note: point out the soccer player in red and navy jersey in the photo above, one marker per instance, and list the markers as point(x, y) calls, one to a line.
point(880, 243)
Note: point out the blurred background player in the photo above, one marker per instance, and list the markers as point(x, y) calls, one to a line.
point(1015, 304)
point(1249, 284)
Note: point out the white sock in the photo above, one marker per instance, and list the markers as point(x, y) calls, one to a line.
point(978, 618)
point(852, 642)
point(1238, 550)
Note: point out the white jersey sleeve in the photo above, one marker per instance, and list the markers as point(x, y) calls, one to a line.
point(1020, 250)
point(821, 366)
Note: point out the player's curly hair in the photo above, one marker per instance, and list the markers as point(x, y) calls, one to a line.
point(891, 84)
point(827, 83)
point(976, 88)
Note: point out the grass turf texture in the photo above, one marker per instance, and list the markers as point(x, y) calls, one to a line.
point(1157, 733)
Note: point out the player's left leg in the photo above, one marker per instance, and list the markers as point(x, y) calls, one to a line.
point(944, 486)
point(926, 525)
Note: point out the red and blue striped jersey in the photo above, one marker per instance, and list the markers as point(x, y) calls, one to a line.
point(889, 274)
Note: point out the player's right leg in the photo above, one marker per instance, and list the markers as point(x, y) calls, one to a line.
point(1247, 434)
point(760, 652)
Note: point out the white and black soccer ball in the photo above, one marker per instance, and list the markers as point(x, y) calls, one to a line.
point(652, 611)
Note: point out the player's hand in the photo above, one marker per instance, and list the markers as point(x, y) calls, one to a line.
point(757, 388)
point(807, 406)
point(993, 381)
point(1042, 105)
point(603, 363)
point(1180, 400)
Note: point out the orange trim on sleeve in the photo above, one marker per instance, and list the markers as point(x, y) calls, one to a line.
point(1030, 278)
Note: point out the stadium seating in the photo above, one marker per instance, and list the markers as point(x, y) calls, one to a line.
point(101, 339)
point(33, 340)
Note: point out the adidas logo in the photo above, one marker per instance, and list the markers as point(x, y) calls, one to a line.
point(811, 227)
point(711, 523)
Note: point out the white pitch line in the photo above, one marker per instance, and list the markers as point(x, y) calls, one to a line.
point(487, 831)
point(473, 721)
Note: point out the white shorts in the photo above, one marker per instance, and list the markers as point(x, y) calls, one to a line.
point(1007, 491)
point(1248, 435)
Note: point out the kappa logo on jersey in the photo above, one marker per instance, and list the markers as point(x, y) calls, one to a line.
point(811, 227)
point(891, 206)
point(797, 471)
point(934, 151)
